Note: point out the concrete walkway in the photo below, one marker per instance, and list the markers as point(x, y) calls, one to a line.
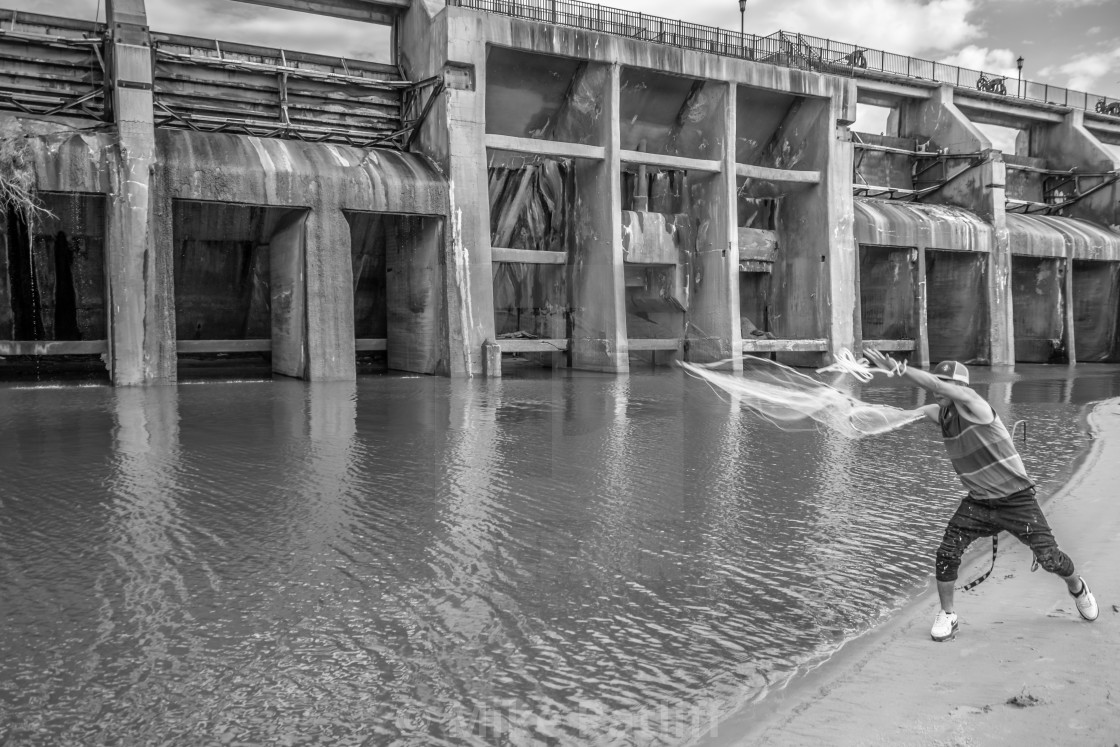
point(1024, 668)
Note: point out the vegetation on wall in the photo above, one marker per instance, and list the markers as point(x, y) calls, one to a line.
point(18, 190)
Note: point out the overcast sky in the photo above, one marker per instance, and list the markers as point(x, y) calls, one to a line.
point(1071, 43)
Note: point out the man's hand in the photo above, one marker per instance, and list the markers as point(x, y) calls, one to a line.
point(882, 361)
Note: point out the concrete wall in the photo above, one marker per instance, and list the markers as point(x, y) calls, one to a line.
point(975, 182)
point(883, 168)
point(561, 87)
point(319, 181)
point(1069, 145)
point(622, 196)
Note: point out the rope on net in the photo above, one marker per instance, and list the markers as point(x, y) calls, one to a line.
point(859, 368)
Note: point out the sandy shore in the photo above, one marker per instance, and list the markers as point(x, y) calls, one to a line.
point(1024, 668)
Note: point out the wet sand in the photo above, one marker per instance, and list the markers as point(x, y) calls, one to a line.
point(1024, 667)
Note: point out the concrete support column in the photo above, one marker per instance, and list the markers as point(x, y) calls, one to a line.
point(329, 297)
point(414, 298)
point(841, 301)
point(468, 266)
point(599, 340)
point(1068, 317)
point(714, 332)
point(991, 188)
point(288, 286)
point(920, 356)
point(138, 271)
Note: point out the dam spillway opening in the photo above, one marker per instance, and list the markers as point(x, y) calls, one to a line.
point(888, 292)
point(531, 201)
point(52, 306)
point(756, 218)
point(396, 290)
point(238, 277)
point(957, 306)
point(1096, 299)
point(1039, 299)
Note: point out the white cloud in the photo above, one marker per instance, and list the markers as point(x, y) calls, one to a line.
point(79, 9)
point(239, 22)
point(1002, 138)
point(1090, 71)
point(900, 26)
point(991, 61)
point(270, 27)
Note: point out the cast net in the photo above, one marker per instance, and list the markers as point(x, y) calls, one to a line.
point(792, 400)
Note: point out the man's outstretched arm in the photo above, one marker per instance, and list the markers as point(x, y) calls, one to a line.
point(968, 401)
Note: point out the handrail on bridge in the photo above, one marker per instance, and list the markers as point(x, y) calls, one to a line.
point(785, 49)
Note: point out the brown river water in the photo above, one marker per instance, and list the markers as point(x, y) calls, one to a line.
point(563, 558)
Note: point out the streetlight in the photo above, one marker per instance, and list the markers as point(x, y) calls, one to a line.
point(742, 17)
point(1019, 83)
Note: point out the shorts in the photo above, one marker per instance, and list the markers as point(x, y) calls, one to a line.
point(1018, 514)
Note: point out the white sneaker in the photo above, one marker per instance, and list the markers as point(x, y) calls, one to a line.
point(1085, 601)
point(944, 626)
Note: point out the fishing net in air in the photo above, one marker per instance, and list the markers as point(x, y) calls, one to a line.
point(792, 400)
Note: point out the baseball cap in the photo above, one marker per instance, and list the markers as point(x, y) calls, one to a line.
point(951, 371)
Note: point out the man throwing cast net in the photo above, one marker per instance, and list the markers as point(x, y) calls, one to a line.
point(1001, 496)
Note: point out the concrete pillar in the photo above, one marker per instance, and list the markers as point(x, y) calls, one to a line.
point(841, 299)
point(491, 359)
point(598, 290)
point(436, 40)
point(469, 267)
point(414, 297)
point(329, 277)
point(138, 271)
point(920, 356)
point(288, 287)
point(1068, 316)
point(713, 332)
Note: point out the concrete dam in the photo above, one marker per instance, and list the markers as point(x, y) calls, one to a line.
point(541, 180)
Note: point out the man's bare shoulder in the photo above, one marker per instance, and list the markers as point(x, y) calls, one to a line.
point(972, 406)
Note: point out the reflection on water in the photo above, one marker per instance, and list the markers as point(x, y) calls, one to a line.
point(578, 559)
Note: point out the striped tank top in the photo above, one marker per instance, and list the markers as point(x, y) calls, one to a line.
point(983, 455)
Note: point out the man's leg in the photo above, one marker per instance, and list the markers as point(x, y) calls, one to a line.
point(945, 594)
point(969, 522)
point(1022, 517)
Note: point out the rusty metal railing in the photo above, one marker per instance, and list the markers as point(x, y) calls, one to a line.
point(51, 66)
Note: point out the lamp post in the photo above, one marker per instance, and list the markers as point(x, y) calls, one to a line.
point(1019, 82)
point(742, 17)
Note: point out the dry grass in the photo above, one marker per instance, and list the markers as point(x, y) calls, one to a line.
point(18, 185)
